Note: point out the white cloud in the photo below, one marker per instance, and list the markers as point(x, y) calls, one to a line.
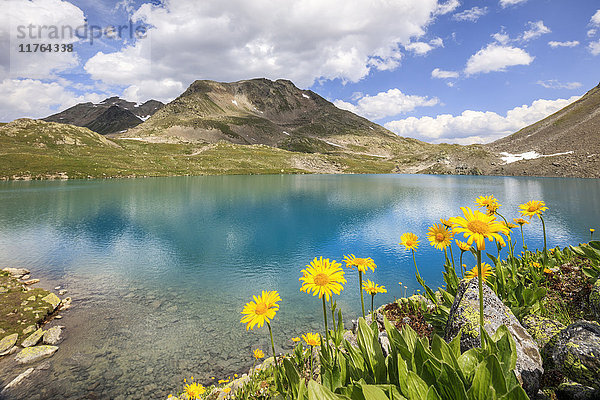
point(386, 104)
point(571, 43)
point(422, 48)
point(441, 74)
point(496, 58)
point(30, 98)
point(298, 40)
point(447, 7)
point(592, 32)
point(536, 29)
point(471, 14)
point(554, 84)
point(476, 126)
point(508, 3)
point(596, 18)
point(501, 37)
point(594, 48)
point(28, 22)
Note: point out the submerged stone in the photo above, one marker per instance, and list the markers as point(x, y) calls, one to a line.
point(53, 335)
point(464, 317)
point(577, 353)
point(32, 354)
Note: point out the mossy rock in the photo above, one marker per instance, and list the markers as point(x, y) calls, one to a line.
point(576, 353)
point(595, 300)
point(33, 354)
point(545, 333)
point(8, 342)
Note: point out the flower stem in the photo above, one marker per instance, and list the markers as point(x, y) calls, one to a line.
point(452, 256)
point(462, 274)
point(415, 261)
point(544, 229)
point(326, 326)
point(311, 362)
point(362, 301)
point(523, 238)
point(372, 308)
point(274, 355)
point(480, 279)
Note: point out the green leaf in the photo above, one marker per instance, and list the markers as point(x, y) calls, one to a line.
point(416, 388)
point(430, 372)
point(497, 375)
point(320, 392)
point(468, 362)
point(507, 349)
point(292, 375)
point(432, 394)
point(449, 384)
point(482, 389)
point(372, 392)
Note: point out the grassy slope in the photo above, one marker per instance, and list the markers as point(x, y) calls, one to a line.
point(36, 149)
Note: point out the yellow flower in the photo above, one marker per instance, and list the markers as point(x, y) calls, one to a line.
point(510, 225)
point(194, 390)
point(536, 265)
point(548, 271)
point(486, 271)
point(446, 223)
point(261, 310)
point(463, 246)
point(592, 230)
point(312, 339)
point(533, 208)
point(235, 375)
point(295, 339)
point(372, 288)
point(409, 240)
point(476, 226)
point(520, 221)
point(361, 264)
point(223, 381)
point(489, 202)
point(258, 354)
point(323, 277)
point(439, 236)
point(226, 389)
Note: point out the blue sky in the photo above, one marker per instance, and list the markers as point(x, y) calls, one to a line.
point(441, 71)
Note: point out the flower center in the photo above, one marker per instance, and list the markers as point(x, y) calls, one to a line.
point(439, 237)
point(321, 279)
point(261, 308)
point(409, 243)
point(532, 209)
point(478, 227)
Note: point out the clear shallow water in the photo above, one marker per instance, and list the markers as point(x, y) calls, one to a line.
point(159, 269)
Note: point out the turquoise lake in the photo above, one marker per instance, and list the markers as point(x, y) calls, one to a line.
point(160, 268)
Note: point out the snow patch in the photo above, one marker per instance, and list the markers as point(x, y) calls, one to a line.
point(286, 133)
point(333, 144)
point(305, 96)
point(509, 158)
point(145, 117)
point(371, 128)
point(234, 102)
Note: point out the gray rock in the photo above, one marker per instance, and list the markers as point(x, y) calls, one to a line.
point(53, 300)
point(351, 338)
point(577, 353)
point(575, 391)
point(53, 335)
point(595, 300)
point(33, 339)
point(544, 331)
point(384, 342)
point(16, 272)
point(32, 354)
point(29, 329)
point(7, 343)
point(464, 317)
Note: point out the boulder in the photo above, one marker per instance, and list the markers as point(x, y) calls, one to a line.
point(16, 272)
point(544, 331)
point(33, 339)
point(569, 390)
point(7, 343)
point(53, 335)
point(576, 353)
point(464, 317)
point(32, 354)
point(53, 300)
point(595, 300)
point(31, 282)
